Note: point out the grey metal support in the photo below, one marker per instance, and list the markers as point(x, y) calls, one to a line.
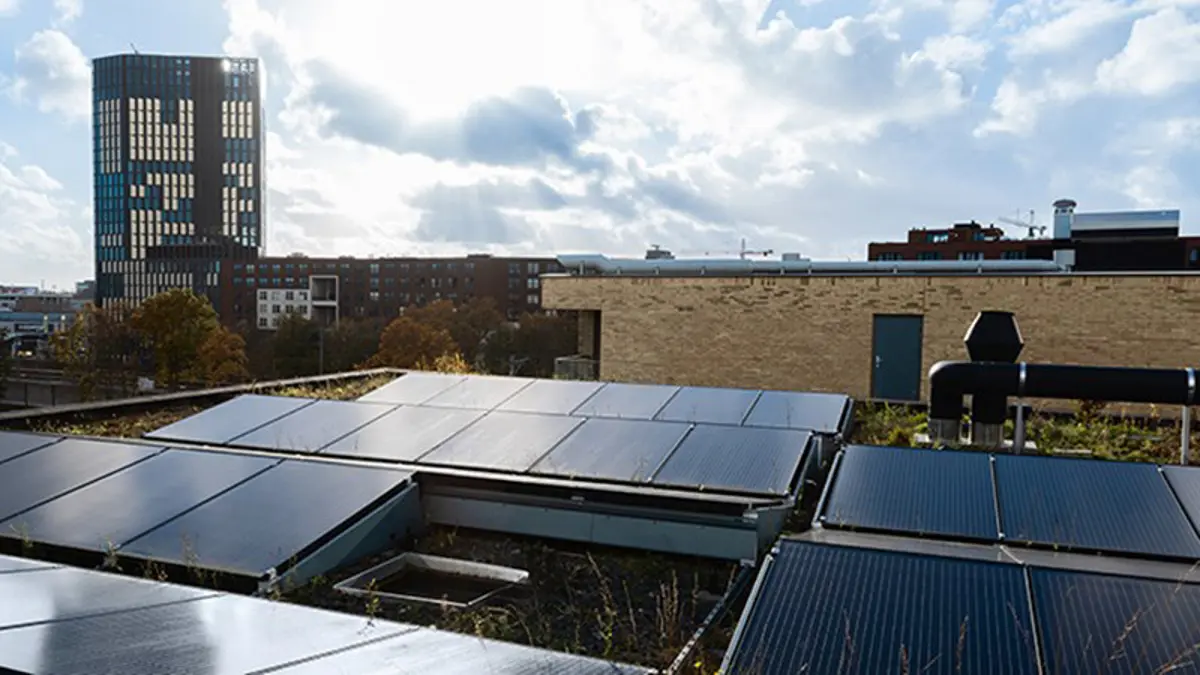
point(1185, 422)
point(1019, 422)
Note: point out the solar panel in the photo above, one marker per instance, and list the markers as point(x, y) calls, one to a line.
point(623, 450)
point(504, 441)
point(314, 427)
point(822, 413)
point(832, 609)
point(739, 459)
point(439, 653)
point(704, 404)
point(1093, 623)
point(412, 388)
point(270, 519)
point(1185, 483)
point(223, 423)
point(118, 508)
point(919, 491)
point(64, 593)
point(223, 634)
point(13, 444)
point(1092, 505)
point(9, 565)
point(404, 434)
point(30, 480)
point(479, 392)
point(633, 401)
point(557, 397)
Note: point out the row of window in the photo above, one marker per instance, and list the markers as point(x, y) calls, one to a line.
point(374, 268)
point(962, 255)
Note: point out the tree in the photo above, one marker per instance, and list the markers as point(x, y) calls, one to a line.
point(351, 343)
point(222, 358)
point(5, 358)
point(531, 347)
point(468, 324)
point(100, 351)
point(175, 324)
point(296, 346)
point(406, 343)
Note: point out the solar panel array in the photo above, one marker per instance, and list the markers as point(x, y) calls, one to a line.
point(1059, 503)
point(219, 511)
point(74, 622)
point(690, 438)
point(825, 608)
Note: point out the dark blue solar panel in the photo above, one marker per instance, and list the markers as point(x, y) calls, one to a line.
point(557, 397)
point(739, 459)
point(703, 404)
point(479, 392)
point(1185, 482)
point(1092, 505)
point(404, 434)
point(921, 491)
point(1094, 623)
point(822, 413)
point(830, 609)
point(505, 441)
point(314, 427)
point(630, 401)
point(624, 450)
point(13, 444)
point(223, 423)
point(413, 388)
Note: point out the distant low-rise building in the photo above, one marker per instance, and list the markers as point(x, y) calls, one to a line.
point(1109, 241)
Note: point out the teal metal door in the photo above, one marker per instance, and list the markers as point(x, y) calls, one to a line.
point(896, 361)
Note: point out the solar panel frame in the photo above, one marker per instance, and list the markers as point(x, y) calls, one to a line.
point(815, 411)
point(35, 478)
point(479, 392)
point(405, 434)
point(273, 518)
point(613, 449)
point(627, 401)
point(14, 444)
point(709, 405)
point(412, 388)
point(916, 491)
point(503, 441)
point(1090, 505)
point(736, 459)
point(113, 510)
point(1185, 485)
point(825, 609)
point(1099, 623)
point(553, 397)
point(236, 417)
point(313, 427)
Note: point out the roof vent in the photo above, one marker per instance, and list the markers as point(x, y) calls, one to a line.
point(994, 336)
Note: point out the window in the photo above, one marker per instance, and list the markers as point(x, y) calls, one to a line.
point(970, 255)
point(262, 308)
point(374, 296)
point(289, 309)
point(938, 237)
point(534, 268)
point(929, 255)
point(514, 283)
point(262, 295)
point(514, 269)
point(1194, 257)
point(262, 322)
point(302, 295)
point(533, 283)
point(531, 299)
point(274, 309)
point(1013, 255)
point(890, 257)
point(289, 295)
point(374, 269)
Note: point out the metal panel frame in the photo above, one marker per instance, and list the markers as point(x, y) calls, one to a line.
point(724, 537)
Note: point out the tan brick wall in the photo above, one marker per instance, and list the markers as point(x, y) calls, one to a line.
point(814, 333)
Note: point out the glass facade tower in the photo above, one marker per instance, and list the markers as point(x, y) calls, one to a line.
point(178, 172)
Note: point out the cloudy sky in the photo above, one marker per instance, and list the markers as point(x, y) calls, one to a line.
point(415, 127)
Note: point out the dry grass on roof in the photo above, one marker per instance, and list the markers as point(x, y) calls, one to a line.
point(135, 424)
point(628, 606)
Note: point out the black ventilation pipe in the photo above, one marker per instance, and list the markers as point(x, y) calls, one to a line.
point(949, 381)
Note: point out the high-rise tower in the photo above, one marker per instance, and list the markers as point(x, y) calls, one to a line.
point(178, 172)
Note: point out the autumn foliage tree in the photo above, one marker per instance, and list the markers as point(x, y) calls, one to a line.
point(407, 343)
point(221, 358)
point(468, 323)
point(175, 324)
point(101, 351)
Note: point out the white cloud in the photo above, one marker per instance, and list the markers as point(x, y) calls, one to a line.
point(9, 7)
point(41, 230)
point(52, 71)
point(68, 10)
point(1162, 54)
point(1059, 26)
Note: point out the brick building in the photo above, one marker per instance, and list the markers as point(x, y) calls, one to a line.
point(257, 294)
point(868, 335)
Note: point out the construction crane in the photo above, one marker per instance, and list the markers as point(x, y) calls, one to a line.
point(743, 253)
point(1033, 229)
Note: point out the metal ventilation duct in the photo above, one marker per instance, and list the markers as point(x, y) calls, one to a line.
point(603, 265)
